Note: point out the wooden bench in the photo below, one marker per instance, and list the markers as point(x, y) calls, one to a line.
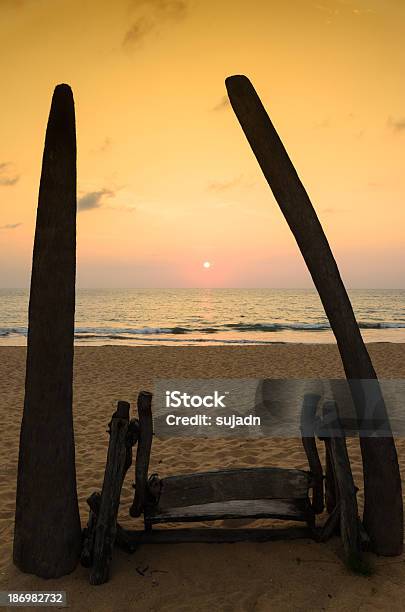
point(272, 493)
point(252, 493)
point(247, 493)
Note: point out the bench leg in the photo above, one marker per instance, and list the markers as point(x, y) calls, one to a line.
point(311, 520)
point(148, 525)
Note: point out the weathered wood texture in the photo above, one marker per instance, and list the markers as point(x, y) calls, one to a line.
point(383, 511)
point(349, 516)
point(106, 527)
point(47, 536)
point(86, 557)
point(210, 535)
point(129, 540)
point(330, 477)
point(331, 526)
point(308, 417)
point(330, 484)
point(284, 509)
point(94, 500)
point(227, 485)
point(142, 452)
point(121, 539)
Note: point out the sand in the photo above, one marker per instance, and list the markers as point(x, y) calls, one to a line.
point(291, 576)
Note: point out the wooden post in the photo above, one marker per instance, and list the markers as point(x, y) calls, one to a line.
point(47, 536)
point(142, 452)
point(330, 486)
point(329, 413)
point(106, 527)
point(86, 557)
point(308, 416)
point(349, 518)
point(122, 539)
point(383, 511)
point(330, 477)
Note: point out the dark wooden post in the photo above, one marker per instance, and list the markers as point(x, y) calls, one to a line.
point(349, 518)
point(116, 466)
point(308, 416)
point(142, 452)
point(47, 537)
point(102, 529)
point(383, 511)
point(330, 486)
point(89, 532)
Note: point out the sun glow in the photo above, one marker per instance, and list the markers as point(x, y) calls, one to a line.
point(207, 265)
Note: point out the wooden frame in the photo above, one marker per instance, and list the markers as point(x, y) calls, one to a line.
point(264, 492)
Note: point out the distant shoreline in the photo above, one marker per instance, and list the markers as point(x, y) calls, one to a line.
point(397, 337)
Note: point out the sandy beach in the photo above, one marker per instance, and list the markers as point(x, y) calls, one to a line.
point(299, 575)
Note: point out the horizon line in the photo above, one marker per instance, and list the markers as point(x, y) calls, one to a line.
point(27, 288)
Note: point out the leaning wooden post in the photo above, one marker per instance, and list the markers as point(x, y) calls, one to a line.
point(349, 518)
point(308, 417)
point(142, 452)
point(383, 511)
point(116, 466)
point(47, 536)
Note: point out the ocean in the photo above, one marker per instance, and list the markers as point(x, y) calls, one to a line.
point(209, 316)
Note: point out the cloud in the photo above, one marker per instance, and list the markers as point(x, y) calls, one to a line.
point(362, 11)
point(130, 208)
point(219, 186)
point(173, 9)
point(149, 15)
point(15, 4)
point(137, 32)
point(396, 125)
point(105, 145)
point(336, 7)
point(7, 178)
point(10, 226)
point(224, 103)
point(333, 211)
point(93, 199)
point(323, 124)
point(326, 9)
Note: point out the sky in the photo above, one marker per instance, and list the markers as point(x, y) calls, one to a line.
point(166, 178)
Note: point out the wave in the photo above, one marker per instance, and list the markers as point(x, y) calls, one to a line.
point(320, 326)
point(374, 325)
point(174, 340)
point(13, 331)
point(273, 327)
point(125, 333)
point(226, 327)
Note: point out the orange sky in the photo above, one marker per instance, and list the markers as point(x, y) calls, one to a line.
point(166, 179)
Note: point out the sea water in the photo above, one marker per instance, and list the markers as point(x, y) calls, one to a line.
point(209, 316)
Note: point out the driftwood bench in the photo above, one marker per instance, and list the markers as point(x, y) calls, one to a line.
point(235, 493)
point(254, 493)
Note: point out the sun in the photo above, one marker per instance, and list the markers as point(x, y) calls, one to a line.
point(207, 265)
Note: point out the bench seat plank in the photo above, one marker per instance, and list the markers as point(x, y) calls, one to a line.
point(233, 484)
point(285, 509)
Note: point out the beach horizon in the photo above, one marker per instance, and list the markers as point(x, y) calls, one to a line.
point(209, 317)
